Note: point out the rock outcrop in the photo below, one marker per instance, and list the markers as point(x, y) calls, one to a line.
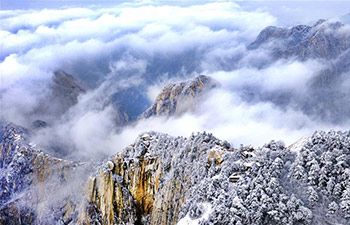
point(180, 97)
point(142, 185)
point(148, 184)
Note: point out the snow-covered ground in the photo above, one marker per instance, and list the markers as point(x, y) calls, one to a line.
point(206, 210)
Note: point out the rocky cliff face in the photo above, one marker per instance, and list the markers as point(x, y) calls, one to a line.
point(32, 182)
point(149, 182)
point(180, 97)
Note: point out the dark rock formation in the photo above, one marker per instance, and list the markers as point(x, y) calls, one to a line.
point(38, 124)
point(66, 88)
point(63, 92)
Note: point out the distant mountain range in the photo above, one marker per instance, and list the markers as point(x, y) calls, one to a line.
point(323, 40)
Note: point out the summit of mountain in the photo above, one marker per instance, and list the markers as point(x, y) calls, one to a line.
point(176, 98)
point(322, 40)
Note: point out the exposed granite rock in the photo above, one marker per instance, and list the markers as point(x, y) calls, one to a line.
point(165, 180)
point(325, 40)
point(154, 181)
point(180, 97)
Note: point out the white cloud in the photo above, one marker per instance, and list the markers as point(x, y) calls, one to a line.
point(120, 47)
point(230, 118)
point(34, 18)
point(283, 75)
point(89, 127)
point(194, 22)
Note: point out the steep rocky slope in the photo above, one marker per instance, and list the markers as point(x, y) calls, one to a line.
point(180, 97)
point(151, 179)
point(33, 183)
point(161, 179)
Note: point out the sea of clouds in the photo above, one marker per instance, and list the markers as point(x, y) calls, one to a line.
point(142, 46)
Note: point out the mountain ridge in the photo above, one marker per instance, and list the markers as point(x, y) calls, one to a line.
point(161, 179)
point(322, 40)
